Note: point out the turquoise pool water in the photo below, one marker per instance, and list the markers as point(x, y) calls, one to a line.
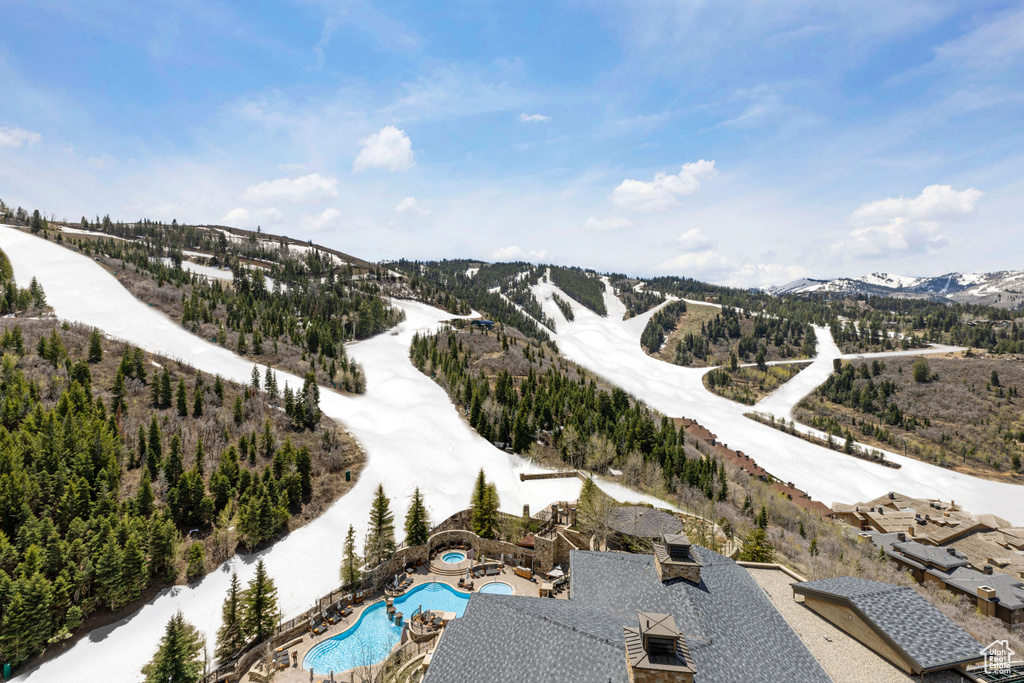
point(453, 557)
point(371, 638)
point(498, 587)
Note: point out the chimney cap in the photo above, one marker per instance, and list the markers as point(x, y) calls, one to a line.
point(657, 625)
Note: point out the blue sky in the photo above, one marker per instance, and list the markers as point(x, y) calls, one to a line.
point(743, 142)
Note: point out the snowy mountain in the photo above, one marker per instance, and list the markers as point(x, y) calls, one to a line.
point(1003, 288)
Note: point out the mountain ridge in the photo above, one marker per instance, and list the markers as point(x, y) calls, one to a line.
point(1003, 288)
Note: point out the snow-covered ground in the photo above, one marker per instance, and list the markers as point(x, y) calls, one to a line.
point(79, 231)
point(411, 434)
point(610, 347)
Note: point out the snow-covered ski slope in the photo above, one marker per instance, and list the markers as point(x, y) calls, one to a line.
point(610, 347)
point(409, 429)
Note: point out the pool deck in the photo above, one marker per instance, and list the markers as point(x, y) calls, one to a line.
point(421, 576)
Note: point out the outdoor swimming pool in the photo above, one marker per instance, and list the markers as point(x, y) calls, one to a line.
point(370, 640)
point(453, 557)
point(497, 587)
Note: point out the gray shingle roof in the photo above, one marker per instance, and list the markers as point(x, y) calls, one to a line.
point(510, 639)
point(936, 555)
point(925, 634)
point(733, 631)
point(643, 522)
point(1009, 591)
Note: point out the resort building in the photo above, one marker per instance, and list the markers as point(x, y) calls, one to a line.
point(629, 619)
point(995, 594)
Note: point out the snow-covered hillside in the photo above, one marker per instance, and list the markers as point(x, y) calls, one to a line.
point(405, 422)
point(610, 346)
point(1001, 288)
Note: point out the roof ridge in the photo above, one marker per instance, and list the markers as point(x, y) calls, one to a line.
point(515, 605)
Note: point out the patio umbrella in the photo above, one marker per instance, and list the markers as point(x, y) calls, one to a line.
point(555, 573)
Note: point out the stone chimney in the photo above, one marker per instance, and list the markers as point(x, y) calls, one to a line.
point(673, 559)
point(987, 600)
point(901, 537)
point(910, 531)
point(656, 651)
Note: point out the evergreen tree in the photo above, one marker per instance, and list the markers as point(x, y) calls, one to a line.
point(260, 600)
point(178, 658)
point(350, 560)
point(304, 468)
point(108, 573)
point(380, 540)
point(134, 570)
point(484, 507)
point(231, 636)
point(757, 547)
point(239, 414)
point(762, 518)
point(174, 468)
point(267, 440)
point(255, 378)
point(416, 521)
point(117, 393)
point(165, 388)
point(270, 383)
point(95, 346)
point(144, 496)
point(154, 452)
point(218, 388)
point(196, 567)
point(181, 399)
point(197, 401)
point(140, 449)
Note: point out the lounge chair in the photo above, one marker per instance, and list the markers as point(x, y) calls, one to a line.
point(317, 626)
point(331, 614)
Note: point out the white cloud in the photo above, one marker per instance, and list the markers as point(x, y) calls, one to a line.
point(308, 188)
point(390, 149)
point(409, 204)
point(934, 203)
point(693, 240)
point(16, 137)
point(705, 264)
point(607, 224)
point(516, 254)
point(329, 219)
point(246, 218)
point(664, 191)
point(534, 118)
point(908, 225)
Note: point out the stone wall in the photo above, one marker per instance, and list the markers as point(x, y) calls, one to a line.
point(677, 570)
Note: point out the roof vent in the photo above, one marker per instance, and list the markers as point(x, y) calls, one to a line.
point(987, 569)
point(656, 651)
point(951, 551)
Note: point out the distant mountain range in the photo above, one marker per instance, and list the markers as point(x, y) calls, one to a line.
point(1004, 288)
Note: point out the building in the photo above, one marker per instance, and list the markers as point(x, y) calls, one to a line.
point(995, 594)
point(893, 621)
point(982, 539)
point(684, 614)
point(638, 521)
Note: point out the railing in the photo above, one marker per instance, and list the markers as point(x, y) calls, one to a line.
point(399, 657)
